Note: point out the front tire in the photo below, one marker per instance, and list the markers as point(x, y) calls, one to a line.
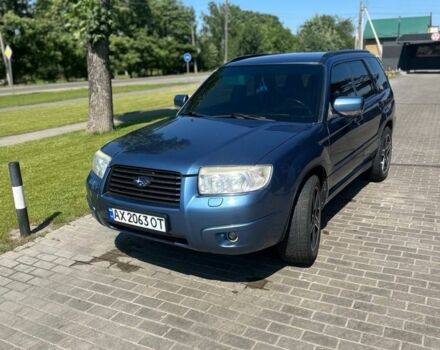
point(301, 244)
point(382, 160)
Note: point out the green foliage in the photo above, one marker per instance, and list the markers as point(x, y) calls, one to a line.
point(46, 191)
point(18, 7)
point(35, 98)
point(170, 18)
point(210, 55)
point(324, 33)
point(155, 43)
point(42, 49)
point(58, 114)
point(91, 20)
point(249, 33)
point(147, 36)
point(129, 16)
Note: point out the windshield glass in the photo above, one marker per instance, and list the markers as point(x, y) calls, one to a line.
point(288, 92)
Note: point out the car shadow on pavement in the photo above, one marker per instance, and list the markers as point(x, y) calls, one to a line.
point(251, 269)
point(347, 195)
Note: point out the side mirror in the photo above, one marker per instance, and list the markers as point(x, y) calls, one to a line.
point(180, 100)
point(350, 107)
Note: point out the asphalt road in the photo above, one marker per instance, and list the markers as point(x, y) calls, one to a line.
point(20, 89)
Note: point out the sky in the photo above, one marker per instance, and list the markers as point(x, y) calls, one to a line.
point(293, 13)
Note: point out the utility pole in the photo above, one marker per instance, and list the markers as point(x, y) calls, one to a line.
point(360, 35)
point(379, 45)
point(6, 61)
point(226, 29)
point(193, 42)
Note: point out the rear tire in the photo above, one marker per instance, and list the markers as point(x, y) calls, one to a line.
point(382, 160)
point(301, 244)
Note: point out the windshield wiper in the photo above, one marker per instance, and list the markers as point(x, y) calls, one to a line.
point(242, 116)
point(193, 114)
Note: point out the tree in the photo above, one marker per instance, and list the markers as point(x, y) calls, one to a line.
point(150, 37)
point(324, 33)
point(171, 26)
point(130, 16)
point(251, 40)
point(91, 20)
point(249, 33)
point(71, 61)
point(18, 7)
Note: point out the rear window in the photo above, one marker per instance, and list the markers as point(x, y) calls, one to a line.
point(378, 73)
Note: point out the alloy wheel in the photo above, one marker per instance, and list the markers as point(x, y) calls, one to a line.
point(386, 154)
point(315, 220)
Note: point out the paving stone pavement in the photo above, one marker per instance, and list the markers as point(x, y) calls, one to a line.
point(375, 285)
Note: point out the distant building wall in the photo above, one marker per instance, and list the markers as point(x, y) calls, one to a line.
point(372, 47)
point(391, 57)
point(391, 52)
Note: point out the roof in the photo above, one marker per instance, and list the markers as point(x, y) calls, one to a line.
point(308, 57)
point(416, 38)
point(394, 27)
point(297, 57)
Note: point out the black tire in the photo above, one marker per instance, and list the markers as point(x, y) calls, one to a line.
point(382, 160)
point(301, 243)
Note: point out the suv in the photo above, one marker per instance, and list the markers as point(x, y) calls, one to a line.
point(252, 157)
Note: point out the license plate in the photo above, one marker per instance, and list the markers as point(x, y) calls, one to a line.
point(149, 222)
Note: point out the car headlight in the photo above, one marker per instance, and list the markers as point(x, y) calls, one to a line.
point(233, 179)
point(100, 163)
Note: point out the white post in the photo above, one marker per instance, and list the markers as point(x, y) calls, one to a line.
point(379, 45)
point(360, 34)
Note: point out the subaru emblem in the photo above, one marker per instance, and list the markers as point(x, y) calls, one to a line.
point(142, 181)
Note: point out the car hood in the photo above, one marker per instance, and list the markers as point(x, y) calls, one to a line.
point(184, 144)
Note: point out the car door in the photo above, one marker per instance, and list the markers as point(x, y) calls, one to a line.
point(342, 131)
point(382, 86)
point(366, 134)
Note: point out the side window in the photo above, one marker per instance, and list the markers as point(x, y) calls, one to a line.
point(341, 84)
point(361, 79)
point(378, 73)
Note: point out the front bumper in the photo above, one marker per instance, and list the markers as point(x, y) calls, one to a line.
point(202, 222)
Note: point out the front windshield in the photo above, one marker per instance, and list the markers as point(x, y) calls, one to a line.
point(284, 92)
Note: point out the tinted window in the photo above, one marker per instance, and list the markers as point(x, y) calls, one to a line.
point(289, 92)
point(378, 73)
point(341, 84)
point(430, 51)
point(361, 79)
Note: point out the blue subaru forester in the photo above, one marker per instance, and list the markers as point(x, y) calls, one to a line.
point(252, 157)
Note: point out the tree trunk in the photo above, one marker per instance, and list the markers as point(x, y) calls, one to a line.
point(100, 88)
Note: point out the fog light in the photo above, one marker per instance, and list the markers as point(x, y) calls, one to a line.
point(232, 236)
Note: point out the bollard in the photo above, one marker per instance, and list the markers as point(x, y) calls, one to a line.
point(19, 202)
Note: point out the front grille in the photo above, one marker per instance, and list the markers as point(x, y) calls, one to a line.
point(164, 186)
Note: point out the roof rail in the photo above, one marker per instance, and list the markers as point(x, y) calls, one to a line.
point(327, 55)
point(236, 59)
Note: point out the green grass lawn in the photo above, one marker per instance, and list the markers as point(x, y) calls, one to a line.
point(43, 117)
point(55, 96)
point(54, 172)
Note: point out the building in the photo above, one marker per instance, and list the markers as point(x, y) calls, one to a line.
point(408, 43)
